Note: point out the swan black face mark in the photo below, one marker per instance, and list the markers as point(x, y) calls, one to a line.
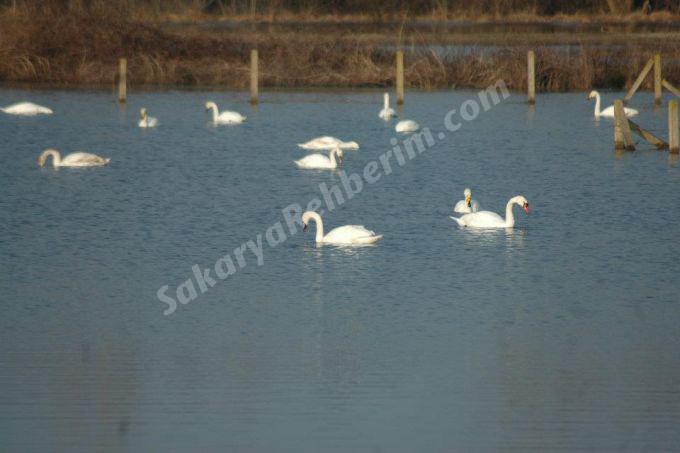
point(526, 207)
point(304, 227)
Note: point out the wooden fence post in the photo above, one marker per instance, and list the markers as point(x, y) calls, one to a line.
point(254, 77)
point(622, 136)
point(400, 77)
point(657, 79)
point(638, 81)
point(531, 77)
point(122, 80)
point(673, 132)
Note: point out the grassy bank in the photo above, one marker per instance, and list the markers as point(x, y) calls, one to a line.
point(82, 47)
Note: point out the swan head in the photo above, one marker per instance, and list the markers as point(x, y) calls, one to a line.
point(209, 105)
point(47, 153)
point(520, 200)
point(352, 145)
point(592, 95)
point(468, 197)
point(306, 217)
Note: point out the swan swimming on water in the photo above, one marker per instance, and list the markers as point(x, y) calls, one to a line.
point(344, 235)
point(488, 219)
point(468, 205)
point(26, 108)
point(407, 126)
point(319, 161)
point(328, 142)
point(78, 159)
point(387, 112)
point(609, 111)
point(145, 120)
point(226, 117)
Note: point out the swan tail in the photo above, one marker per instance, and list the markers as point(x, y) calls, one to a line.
point(460, 222)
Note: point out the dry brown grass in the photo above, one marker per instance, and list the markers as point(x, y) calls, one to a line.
point(82, 48)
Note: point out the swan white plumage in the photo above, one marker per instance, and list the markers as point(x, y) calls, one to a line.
point(386, 113)
point(609, 111)
point(26, 108)
point(225, 117)
point(468, 205)
point(344, 235)
point(407, 126)
point(327, 142)
point(488, 219)
point(78, 159)
point(145, 120)
point(319, 161)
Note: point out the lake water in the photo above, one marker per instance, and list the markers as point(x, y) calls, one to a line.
point(561, 334)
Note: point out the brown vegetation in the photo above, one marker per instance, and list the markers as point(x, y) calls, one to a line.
point(40, 45)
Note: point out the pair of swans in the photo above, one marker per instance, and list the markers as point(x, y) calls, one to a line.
point(609, 111)
point(344, 235)
point(327, 142)
point(26, 109)
point(78, 159)
point(467, 205)
point(488, 219)
point(225, 117)
point(145, 120)
point(320, 162)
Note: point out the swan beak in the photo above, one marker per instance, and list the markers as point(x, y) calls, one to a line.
point(468, 200)
point(526, 207)
point(304, 227)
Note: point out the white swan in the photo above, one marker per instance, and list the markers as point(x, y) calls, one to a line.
point(468, 205)
point(72, 160)
point(386, 113)
point(26, 108)
point(145, 120)
point(344, 235)
point(488, 219)
point(226, 117)
point(319, 161)
point(327, 142)
point(609, 111)
point(407, 126)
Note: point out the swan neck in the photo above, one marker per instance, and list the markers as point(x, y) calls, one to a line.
point(213, 107)
point(509, 216)
point(319, 226)
point(386, 102)
point(333, 157)
point(597, 104)
point(56, 157)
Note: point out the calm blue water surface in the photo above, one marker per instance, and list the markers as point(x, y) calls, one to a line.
point(561, 334)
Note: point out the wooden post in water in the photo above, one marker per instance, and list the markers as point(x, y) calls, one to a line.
point(531, 77)
point(638, 81)
point(622, 137)
point(253, 76)
point(400, 77)
point(667, 85)
point(657, 79)
point(673, 131)
point(122, 80)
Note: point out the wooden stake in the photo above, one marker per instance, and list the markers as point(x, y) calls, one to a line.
point(531, 77)
point(122, 80)
point(673, 131)
point(622, 137)
point(254, 77)
point(400, 77)
point(638, 81)
point(666, 84)
point(648, 136)
point(657, 79)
